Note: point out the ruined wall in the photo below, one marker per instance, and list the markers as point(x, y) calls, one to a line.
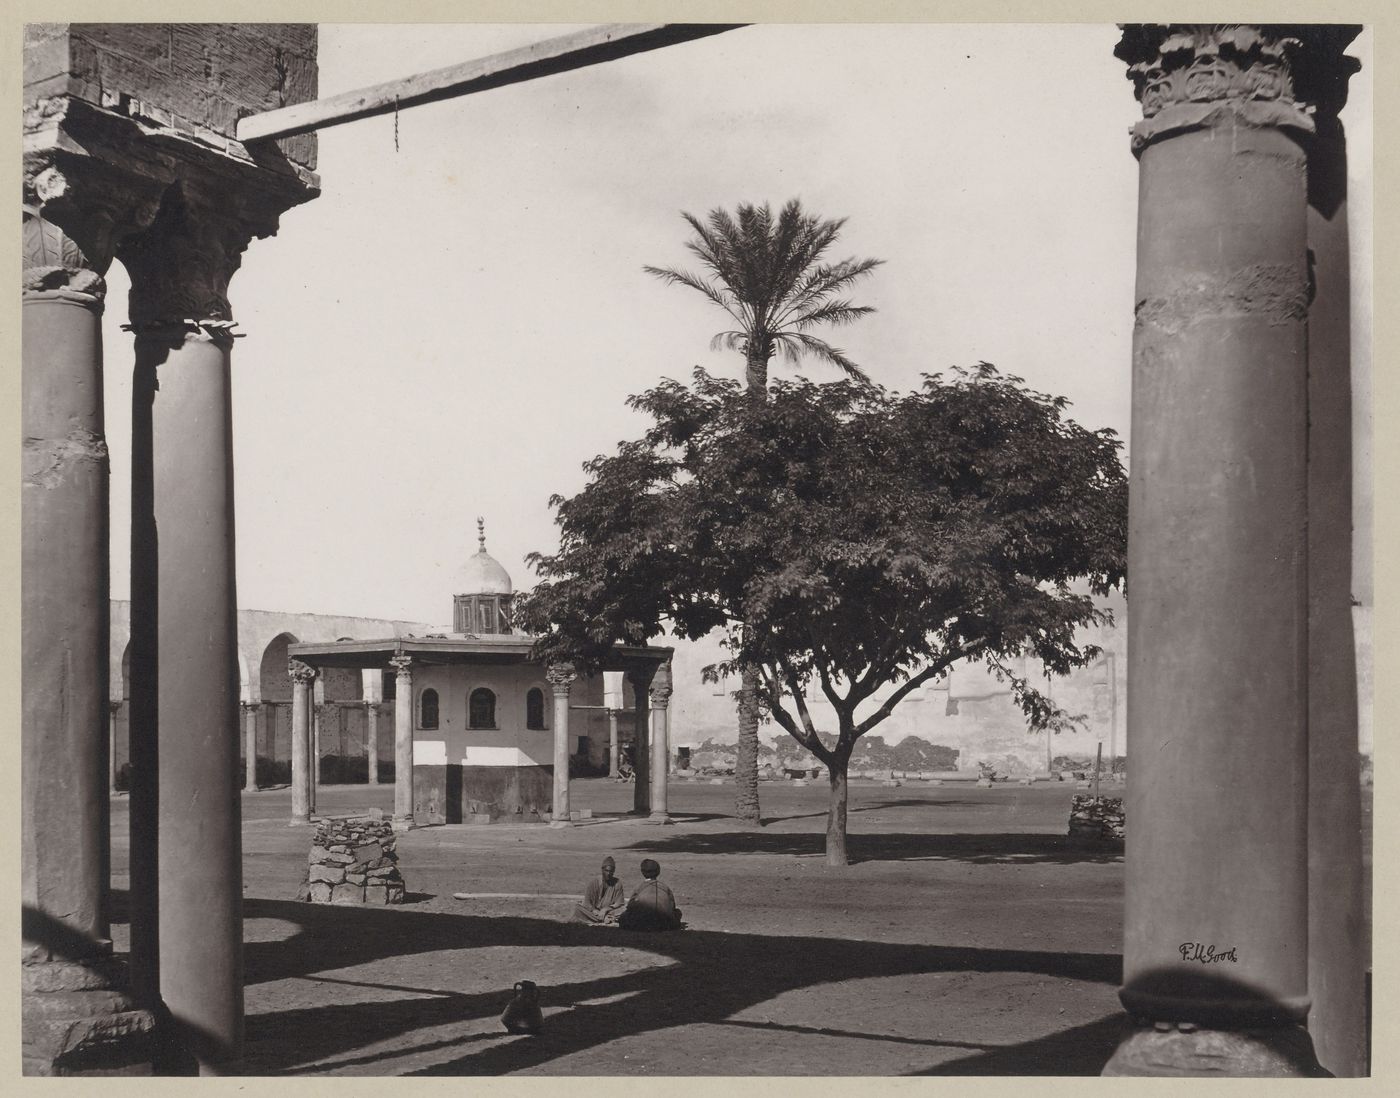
point(968, 709)
point(194, 78)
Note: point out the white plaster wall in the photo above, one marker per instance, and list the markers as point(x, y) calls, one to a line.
point(510, 743)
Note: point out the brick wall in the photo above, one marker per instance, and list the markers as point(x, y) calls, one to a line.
point(198, 78)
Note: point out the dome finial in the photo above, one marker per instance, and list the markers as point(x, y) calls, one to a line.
point(481, 534)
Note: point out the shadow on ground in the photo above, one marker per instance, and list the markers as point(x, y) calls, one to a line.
point(711, 978)
point(1015, 847)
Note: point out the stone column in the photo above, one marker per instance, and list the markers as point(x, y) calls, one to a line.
point(660, 743)
point(183, 582)
point(313, 773)
point(1336, 956)
point(561, 677)
point(372, 741)
point(75, 1012)
point(612, 743)
point(114, 709)
point(403, 742)
point(302, 676)
point(1217, 550)
point(250, 746)
point(640, 678)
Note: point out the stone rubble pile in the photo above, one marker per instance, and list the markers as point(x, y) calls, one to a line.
point(1096, 817)
point(353, 861)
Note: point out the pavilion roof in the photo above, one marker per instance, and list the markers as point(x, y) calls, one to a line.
point(450, 648)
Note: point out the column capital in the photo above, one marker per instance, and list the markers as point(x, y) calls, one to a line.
point(303, 674)
point(177, 212)
point(55, 265)
point(561, 676)
point(1189, 76)
point(402, 665)
point(640, 675)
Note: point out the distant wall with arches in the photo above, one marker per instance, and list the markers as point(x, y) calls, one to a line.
point(343, 696)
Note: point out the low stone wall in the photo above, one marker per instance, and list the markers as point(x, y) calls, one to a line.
point(1096, 817)
point(353, 861)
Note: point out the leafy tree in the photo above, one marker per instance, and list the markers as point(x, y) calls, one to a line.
point(845, 536)
point(770, 277)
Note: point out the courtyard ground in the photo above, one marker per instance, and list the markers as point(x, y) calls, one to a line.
point(970, 937)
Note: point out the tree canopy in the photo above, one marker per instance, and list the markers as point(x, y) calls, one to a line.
point(847, 535)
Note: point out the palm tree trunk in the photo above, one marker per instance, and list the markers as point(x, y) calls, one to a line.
point(746, 805)
point(836, 811)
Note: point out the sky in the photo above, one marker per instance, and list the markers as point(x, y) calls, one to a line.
point(453, 327)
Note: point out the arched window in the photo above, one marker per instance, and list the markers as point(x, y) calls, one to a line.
point(481, 709)
point(428, 709)
point(534, 709)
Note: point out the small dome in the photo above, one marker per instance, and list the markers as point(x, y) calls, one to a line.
point(483, 574)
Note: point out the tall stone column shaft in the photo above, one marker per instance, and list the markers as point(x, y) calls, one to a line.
point(114, 709)
point(640, 678)
point(612, 743)
point(372, 741)
point(1337, 960)
point(302, 676)
point(1217, 554)
point(660, 743)
point(403, 741)
point(561, 677)
point(73, 1003)
point(186, 373)
point(250, 746)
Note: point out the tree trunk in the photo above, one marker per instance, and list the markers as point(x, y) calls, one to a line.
point(746, 761)
point(836, 812)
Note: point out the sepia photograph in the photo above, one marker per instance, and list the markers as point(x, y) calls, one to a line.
point(769, 549)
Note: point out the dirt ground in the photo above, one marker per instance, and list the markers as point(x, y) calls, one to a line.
point(970, 937)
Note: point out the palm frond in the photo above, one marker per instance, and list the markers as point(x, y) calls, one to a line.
point(824, 281)
point(835, 313)
point(795, 344)
point(674, 276)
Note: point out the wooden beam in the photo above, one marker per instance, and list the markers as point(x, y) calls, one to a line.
point(553, 55)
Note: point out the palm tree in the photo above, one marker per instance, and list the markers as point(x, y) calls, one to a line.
point(769, 276)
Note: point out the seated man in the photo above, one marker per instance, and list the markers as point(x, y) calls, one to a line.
point(653, 905)
point(603, 899)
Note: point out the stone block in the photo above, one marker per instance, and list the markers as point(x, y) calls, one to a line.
point(336, 858)
point(347, 894)
point(355, 878)
point(395, 894)
point(320, 892)
point(383, 871)
point(587, 814)
point(368, 854)
point(327, 873)
point(376, 894)
point(318, 854)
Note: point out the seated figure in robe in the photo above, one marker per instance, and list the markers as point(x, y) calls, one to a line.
point(603, 899)
point(653, 905)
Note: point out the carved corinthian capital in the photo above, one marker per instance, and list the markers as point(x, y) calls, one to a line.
point(181, 265)
point(301, 673)
point(402, 666)
point(54, 263)
point(1190, 75)
point(561, 676)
